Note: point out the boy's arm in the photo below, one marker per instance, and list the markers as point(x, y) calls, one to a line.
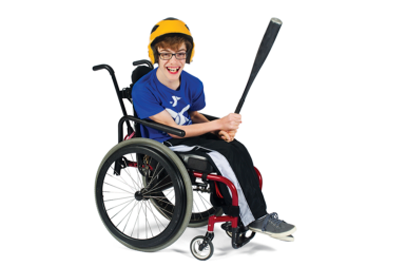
point(199, 118)
point(202, 125)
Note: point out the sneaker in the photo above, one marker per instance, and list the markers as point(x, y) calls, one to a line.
point(272, 226)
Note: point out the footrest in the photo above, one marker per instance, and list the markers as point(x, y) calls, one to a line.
point(238, 235)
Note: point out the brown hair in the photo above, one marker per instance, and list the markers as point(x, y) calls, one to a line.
point(172, 42)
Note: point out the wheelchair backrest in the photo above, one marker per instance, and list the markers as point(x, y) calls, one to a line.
point(138, 73)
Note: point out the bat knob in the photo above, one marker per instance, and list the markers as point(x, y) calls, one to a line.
point(277, 21)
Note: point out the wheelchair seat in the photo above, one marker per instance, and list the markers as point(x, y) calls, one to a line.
point(196, 162)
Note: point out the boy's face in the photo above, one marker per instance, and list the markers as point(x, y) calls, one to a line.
point(170, 70)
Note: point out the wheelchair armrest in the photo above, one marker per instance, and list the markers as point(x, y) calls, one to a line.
point(209, 117)
point(152, 124)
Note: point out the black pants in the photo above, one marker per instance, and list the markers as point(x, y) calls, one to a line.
point(234, 162)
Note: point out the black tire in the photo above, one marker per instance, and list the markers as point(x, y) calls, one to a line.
point(201, 253)
point(122, 200)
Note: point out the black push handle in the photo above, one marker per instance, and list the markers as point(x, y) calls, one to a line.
point(104, 66)
point(143, 61)
point(112, 73)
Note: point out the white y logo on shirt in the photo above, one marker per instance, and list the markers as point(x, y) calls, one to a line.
point(179, 118)
point(176, 99)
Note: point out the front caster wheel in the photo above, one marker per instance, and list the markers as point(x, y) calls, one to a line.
point(201, 248)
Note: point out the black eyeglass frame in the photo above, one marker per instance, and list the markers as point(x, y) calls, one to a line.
point(173, 54)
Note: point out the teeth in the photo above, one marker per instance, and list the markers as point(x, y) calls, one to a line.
point(173, 69)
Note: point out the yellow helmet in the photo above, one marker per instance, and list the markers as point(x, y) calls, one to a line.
point(169, 26)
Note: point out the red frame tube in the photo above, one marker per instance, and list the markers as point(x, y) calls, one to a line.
point(260, 180)
point(235, 200)
point(218, 178)
point(214, 219)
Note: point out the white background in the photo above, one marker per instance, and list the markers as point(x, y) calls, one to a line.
point(321, 122)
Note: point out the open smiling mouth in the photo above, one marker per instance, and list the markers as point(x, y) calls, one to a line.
point(173, 70)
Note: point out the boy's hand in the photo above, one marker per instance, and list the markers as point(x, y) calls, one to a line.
point(227, 136)
point(231, 122)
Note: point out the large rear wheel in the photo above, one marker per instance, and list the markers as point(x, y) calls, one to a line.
point(146, 216)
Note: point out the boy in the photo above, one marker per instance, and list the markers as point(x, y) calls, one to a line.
point(171, 96)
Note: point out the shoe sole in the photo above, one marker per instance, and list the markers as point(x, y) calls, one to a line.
point(275, 235)
point(288, 238)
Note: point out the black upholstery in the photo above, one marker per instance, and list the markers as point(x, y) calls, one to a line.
point(139, 72)
point(196, 162)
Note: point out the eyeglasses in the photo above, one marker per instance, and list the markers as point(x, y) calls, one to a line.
point(168, 56)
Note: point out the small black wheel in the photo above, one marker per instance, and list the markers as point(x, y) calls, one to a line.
point(201, 250)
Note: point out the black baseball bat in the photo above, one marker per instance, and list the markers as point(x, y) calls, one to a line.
point(263, 51)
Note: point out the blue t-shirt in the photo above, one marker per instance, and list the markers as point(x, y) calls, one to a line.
point(150, 97)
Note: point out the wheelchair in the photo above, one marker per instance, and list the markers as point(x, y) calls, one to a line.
point(147, 195)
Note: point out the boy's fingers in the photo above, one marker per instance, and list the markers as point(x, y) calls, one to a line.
point(225, 136)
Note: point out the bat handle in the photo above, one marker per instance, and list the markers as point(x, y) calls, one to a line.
point(238, 108)
point(242, 99)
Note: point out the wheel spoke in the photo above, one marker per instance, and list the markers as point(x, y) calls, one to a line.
point(133, 180)
point(122, 210)
point(108, 209)
point(127, 221)
point(157, 220)
point(157, 188)
point(155, 197)
point(119, 188)
point(195, 206)
point(121, 180)
point(162, 208)
point(137, 219)
point(152, 178)
point(203, 200)
point(115, 199)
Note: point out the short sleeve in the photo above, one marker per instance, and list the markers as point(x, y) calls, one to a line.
point(198, 98)
point(145, 102)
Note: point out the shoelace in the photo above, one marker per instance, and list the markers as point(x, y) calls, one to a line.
point(273, 218)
